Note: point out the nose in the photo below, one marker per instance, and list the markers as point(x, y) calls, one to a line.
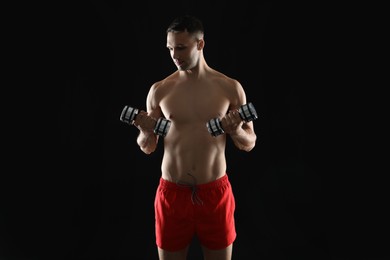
point(175, 54)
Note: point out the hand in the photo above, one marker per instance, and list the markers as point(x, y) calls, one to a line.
point(144, 122)
point(231, 122)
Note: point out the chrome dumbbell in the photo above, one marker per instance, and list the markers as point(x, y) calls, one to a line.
point(247, 113)
point(129, 113)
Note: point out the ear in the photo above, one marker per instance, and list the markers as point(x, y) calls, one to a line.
point(200, 44)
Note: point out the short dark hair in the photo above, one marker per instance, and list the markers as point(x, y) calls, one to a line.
point(188, 23)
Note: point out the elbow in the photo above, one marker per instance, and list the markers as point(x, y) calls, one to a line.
point(147, 146)
point(147, 150)
point(248, 148)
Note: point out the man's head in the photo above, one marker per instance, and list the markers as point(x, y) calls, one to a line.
point(187, 23)
point(185, 41)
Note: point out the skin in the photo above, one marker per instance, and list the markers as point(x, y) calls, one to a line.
point(189, 98)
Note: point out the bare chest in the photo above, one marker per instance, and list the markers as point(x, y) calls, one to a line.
point(194, 103)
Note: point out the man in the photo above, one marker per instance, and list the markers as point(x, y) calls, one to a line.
point(194, 196)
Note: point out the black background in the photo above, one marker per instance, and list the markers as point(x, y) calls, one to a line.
point(80, 188)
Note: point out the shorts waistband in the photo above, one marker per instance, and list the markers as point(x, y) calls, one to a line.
point(222, 181)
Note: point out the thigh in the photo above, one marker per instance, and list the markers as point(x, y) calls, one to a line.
point(221, 254)
point(177, 255)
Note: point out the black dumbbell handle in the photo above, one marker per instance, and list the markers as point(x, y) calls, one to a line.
point(129, 113)
point(247, 113)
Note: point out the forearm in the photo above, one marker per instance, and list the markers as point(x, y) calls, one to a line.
point(244, 139)
point(147, 141)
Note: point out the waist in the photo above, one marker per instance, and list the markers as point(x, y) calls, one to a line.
point(222, 181)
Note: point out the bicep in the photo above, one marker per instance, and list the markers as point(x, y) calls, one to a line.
point(152, 104)
point(238, 96)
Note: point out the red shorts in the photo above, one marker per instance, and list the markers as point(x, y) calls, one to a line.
point(205, 210)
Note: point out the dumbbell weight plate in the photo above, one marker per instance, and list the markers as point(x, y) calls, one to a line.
point(128, 114)
point(162, 126)
point(247, 112)
point(214, 127)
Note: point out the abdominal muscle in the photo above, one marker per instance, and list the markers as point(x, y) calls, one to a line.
point(193, 156)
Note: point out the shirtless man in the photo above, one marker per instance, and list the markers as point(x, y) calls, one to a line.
point(194, 196)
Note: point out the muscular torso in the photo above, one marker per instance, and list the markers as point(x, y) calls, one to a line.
point(188, 147)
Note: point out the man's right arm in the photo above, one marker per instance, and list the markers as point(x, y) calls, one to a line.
point(146, 122)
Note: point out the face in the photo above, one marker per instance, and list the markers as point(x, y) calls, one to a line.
point(184, 50)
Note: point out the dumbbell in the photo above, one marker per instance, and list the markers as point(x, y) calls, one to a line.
point(247, 113)
point(129, 113)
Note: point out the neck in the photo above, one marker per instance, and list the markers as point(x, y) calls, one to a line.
point(197, 71)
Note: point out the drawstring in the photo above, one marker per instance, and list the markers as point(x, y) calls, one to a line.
point(194, 196)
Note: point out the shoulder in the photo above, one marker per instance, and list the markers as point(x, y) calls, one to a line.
point(164, 83)
point(229, 83)
point(159, 88)
point(232, 87)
